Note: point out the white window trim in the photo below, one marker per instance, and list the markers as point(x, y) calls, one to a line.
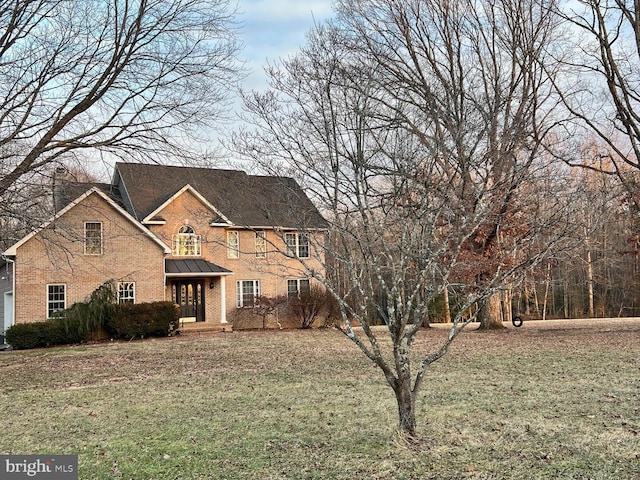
point(240, 296)
point(233, 250)
point(133, 290)
point(187, 242)
point(261, 244)
point(293, 248)
point(48, 302)
point(101, 238)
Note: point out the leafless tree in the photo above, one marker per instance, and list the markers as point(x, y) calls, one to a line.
point(309, 304)
point(126, 78)
point(601, 84)
point(415, 125)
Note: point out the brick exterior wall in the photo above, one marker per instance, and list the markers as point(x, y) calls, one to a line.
point(272, 272)
point(56, 256)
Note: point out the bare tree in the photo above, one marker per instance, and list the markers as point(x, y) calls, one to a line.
point(601, 85)
point(415, 125)
point(309, 304)
point(127, 78)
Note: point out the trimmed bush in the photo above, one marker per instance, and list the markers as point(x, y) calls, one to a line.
point(58, 331)
point(126, 321)
point(25, 335)
point(140, 320)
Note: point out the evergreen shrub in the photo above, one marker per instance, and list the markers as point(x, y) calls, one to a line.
point(140, 320)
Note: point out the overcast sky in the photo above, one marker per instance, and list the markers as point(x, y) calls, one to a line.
point(274, 29)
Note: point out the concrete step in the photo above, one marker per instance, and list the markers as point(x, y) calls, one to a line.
point(198, 329)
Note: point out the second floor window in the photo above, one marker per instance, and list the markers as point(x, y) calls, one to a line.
point(261, 245)
point(233, 245)
point(93, 238)
point(297, 244)
point(186, 243)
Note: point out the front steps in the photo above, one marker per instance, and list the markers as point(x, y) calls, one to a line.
point(200, 328)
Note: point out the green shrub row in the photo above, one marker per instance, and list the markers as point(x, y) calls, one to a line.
point(58, 331)
point(125, 321)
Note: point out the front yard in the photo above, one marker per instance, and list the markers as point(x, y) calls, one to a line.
point(549, 400)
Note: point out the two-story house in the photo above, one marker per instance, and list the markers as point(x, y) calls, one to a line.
point(211, 241)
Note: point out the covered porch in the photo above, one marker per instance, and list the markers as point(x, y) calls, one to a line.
point(198, 287)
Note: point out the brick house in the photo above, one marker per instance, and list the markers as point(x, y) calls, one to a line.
point(209, 240)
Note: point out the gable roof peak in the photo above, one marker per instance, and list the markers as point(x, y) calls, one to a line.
point(151, 218)
point(239, 198)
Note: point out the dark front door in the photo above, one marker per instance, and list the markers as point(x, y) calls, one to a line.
point(189, 295)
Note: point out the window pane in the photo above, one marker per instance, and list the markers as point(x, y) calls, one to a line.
point(305, 287)
point(126, 292)
point(56, 299)
point(186, 243)
point(290, 240)
point(233, 247)
point(292, 288)
point(93, 238)
point(261, 245)
point(303, 245)
point(247, 292)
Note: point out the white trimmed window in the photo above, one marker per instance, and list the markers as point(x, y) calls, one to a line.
point(126, 292)
point(56, 298)
point(233, 245)
point(92, 238)
point(261, 245)
point(298, 287)
point(247, 293)
point(186, 243)
point(297, 244)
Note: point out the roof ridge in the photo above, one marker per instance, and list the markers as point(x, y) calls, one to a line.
point(182, 167)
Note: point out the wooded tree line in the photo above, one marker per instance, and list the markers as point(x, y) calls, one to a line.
point(596, 275)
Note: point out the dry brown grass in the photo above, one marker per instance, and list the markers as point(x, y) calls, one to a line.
point(549, 400)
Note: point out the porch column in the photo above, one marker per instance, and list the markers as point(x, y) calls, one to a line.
point(223, 300)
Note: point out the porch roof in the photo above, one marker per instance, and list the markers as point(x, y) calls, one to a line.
point(193, 267)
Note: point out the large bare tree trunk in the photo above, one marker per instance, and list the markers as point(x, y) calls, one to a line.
point(491, 314)
point(447, 307)
point(590, 280)
point(546, 292)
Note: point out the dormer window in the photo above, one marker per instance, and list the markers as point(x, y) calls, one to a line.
point(186, 243)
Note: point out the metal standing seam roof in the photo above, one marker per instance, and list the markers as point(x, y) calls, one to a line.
point(193, 267)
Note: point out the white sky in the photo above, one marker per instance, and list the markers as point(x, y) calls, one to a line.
point(273, 29)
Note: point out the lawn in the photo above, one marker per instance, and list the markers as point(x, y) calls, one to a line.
point(551, 400)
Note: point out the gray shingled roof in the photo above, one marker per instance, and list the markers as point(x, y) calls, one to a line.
point(68, 191)
point(246, 200)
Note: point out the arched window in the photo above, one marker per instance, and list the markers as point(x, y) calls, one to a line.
point(186, 230)
point(186, 243)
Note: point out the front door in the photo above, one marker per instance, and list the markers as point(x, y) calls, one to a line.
point(189, 295)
